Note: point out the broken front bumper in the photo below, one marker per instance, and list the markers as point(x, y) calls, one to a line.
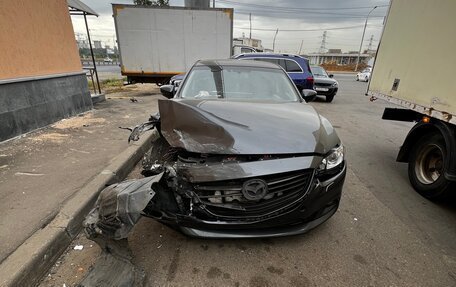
point(217, 200)
point(309, 203)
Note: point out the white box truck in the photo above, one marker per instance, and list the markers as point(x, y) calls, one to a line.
point(156, 43)
point(414, 68)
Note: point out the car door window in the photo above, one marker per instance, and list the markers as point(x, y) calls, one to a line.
point(282, 64)
point(292, 66)
point(274, 61)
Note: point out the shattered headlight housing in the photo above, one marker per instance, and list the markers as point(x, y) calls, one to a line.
point(332, 164)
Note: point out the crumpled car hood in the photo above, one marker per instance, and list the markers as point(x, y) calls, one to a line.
point(231, 127)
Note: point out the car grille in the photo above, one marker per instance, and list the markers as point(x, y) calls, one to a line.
point(225, 199)
point(323, 84)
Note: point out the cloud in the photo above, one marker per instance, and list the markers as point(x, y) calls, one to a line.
point(272, 14)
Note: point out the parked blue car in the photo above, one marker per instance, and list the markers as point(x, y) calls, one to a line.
point(296, 66)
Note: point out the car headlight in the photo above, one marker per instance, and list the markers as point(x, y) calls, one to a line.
point(334, 159)
point(334, 84)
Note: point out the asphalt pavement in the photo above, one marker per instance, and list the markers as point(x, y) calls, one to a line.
point(384, 233)
point(108, 71)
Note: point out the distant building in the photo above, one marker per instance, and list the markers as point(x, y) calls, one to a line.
point(335, 51)
point(255, 43)
point(97, 44)
point(338, 58)
point(82, 44)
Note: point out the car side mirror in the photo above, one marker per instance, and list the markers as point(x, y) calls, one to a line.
point(331, 75)
point(309, 95)
point(167, 91)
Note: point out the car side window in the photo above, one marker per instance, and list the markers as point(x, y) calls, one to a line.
point(282, 64)
point(274, 61)
point(292, 66)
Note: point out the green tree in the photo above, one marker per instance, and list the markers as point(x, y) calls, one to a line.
point(154, 3)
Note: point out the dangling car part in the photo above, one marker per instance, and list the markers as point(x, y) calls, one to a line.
point(116, 211)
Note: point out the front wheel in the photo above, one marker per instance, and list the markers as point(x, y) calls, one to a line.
point(427, 166)
point(357, 78)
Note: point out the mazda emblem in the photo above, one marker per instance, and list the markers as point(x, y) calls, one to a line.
point(254, 189)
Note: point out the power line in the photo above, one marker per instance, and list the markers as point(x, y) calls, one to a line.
point(295, 8)
point(304, 30)
point(345, 16)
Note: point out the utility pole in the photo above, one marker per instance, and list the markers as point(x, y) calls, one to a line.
point(250, 19)
point(273, 41)
point(300, 47)
point(323, 43)
point(371, 40)
point(362, 38)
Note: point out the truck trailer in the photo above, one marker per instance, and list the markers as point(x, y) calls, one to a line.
point(156, 43)
point(414, 68)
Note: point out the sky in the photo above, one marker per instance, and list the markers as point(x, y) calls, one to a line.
point(342, 19)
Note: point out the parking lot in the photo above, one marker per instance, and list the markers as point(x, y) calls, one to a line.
point(384, 233)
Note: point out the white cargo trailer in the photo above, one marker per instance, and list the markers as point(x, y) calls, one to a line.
point(157, 43)
point(414, 68)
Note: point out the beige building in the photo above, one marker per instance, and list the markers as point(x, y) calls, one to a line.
point(41, 77)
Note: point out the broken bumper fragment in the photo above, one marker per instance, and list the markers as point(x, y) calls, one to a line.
point(119, 208)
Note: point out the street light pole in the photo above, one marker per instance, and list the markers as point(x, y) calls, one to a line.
point(250, 19)
point(362, 38)
point(273, 42)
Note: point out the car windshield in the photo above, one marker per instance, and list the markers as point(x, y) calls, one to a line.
point(318, 71)
point(239, 83)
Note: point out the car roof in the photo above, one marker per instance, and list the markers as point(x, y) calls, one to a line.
point(237, 63)
point(270, 55)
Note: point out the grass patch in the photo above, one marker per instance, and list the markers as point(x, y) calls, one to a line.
point(109, 85)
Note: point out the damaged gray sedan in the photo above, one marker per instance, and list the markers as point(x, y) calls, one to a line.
point(240, 154)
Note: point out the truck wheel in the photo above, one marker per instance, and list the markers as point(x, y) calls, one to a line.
point(329, 98)
point(426, 168)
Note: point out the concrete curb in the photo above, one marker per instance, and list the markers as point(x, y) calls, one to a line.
point(30, 261)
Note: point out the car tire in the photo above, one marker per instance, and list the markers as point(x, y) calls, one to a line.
point(366, 79)
point(426, 168)
point(357, 78)
point(330, 98)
